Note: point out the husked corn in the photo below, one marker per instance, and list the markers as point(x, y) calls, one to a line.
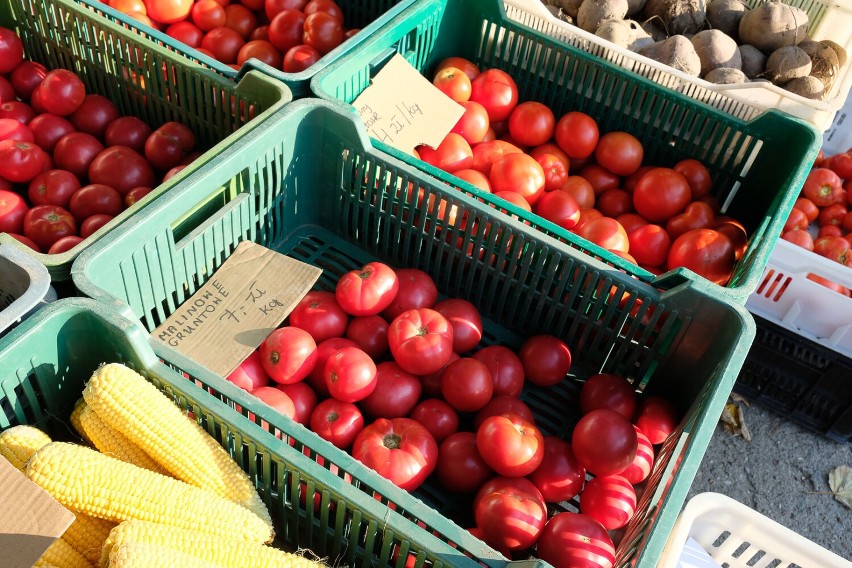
point(133, 555)
point(113, 443)
point(87, 534)
point(19, 443)
point(75, 418)
point(62, 555)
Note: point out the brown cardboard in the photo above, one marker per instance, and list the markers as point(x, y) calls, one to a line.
point(30, 519)
point(243, 302)
point(403, 109)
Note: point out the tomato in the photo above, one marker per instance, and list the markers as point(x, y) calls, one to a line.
point(396, 392)
point(18, 111)
point(560, 477)
point(735, 231)
point(503, 404)
point(832, 214)
point(249, 375)
point(368, 290)
point(128, 131)
point(649, 244)
point(610, 500)
point(475, 178)
point(416, 290)
point(555, 171)
point(460, 467)
point(93, 199)
point(25, 78)
point(519, 173)
point(135, 195)
point(122, 168)
point(546, 360)
point(11, 129)
point(697, 215)
point(559, 207)
point(657, 418)
point(338, 422)
point(286, 28)
point(304, 400)
point(329, 6)
point(600, 178)
point(186, 32)
point(322, 31)
point(511, 515)
point(299, 58)
point(163, 152)
point(421, 340)
point(26, 241)
point(21, 161)
point(94, 115)
point(75, 152)
point(7, 91)
point(208, 14)
point(511, 445)
point(799, 237)
point(640, 469)
point(577, 134)
point(846, 223)
point(574, 540)
point(706, 252)
point(466, 384)
point(452, 154)
point(531, 123)
point(13, 209)
point(465, 321)
point(486, 153)
point(350, 374)
point(64, 244)
point(438, 417)
point(224, 43)
point(370, 333)
point(631, 221)
point(496, 91)
point(276, 399)
point(507, 371)
point(823, 187)
point(288, 354)
point(261, 50)
point(399, 449)
point(473, 124)
point(53, 187)
point(46, 224)
point(168, 11)
point(833, 247)
point(630, 182)
point(604, 442)
point(696, 175)
point(607, 390)
point(581, 190)
point(316, 378)
point(240, 19)
point(470, 68)
point(61, 92)
point(619, 152)
point(661, 194)
point(11, 50)
point(807, 207)
point(841, 164)
point(829, 284)
point(319, 314)
point(454, 83)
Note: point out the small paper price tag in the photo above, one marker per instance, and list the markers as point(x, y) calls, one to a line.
point(403, 109)
point(248, 297)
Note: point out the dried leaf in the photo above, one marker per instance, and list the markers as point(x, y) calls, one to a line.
point(740, 398)
point(733, 420)
point(840, 481)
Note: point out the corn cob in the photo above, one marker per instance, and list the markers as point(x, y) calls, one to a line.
point(136, 408)
point(42, 564)
point(113, 443)
point(62, 555)
point(19, 443)
point(101, 486)
point(87, 535)
point(134, 555)
point(228, 552)
point(75, 419)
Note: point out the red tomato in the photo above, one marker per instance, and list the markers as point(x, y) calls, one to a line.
point(454, 83)
point(94, 115)
point(559, 207)
point(511, 515)
point(503, 404)
point(706, 252)
point(657, 418)
point(399, 449)
point(823, 187)
point(607, 390)
point(473, 124)
point(649, 244)
point(276, 399)
point(466, 384)
point(64, 244)
point(560, 477)
point(619, 152)
point(162, 151)
point(316, 378)
point(121, 168)
point(304, 400)
point(600, 178)
point(93, 199)
point(555, 171)
point(370, 333)
point(470, 68)
point(515, 199)
point(61, 92)
point(832, 214)
point(546, 360)
point(519, 173)
point(75, 152)
point(661, 194)
point(128, 131)
point(46, 224)
point(496, 91)
point(573, 540)
point(531, 123)
point(421, 341)
point(25, 78)
point(18, 111)
point(847, 222)
point(261, 50)
point(640, 469)
point(319, 314)
point(416, 290)
point(587, 215)
point(13, 209)
point(465, 320)
point(486, 153)
point(93, 223)
point(581, 190)
point(224, 43)
point(208, 14)
point(835, 248)
point(135, 195)
point(697, 215)
point(368, 290)
point(396, 392)
point(350, 374)
point(460, 467)
point(273, 7)
point(338, 422)
point(631, 221)
point(799, 237)
point(475, 178)
point(696, 175)
point(168, 11)
point(48, 129)
point(828, 231)
point(841, 164)
point(322, 31)
point(610, 500)
point(507, 371)
point(249, 375)
point(21, 161)
point(438, 417)
point(604, 442)
point(286, 28)
point(807, 207)
point(186, 32)
point(26, 241)
point(510, 445)
point(288, 354)
point(452, 154)
point(11, 50)
point(577, 134)
point(240, 19)
point(735, 231)
point(53, 187)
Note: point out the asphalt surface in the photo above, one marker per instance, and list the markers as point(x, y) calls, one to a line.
point(783, 474)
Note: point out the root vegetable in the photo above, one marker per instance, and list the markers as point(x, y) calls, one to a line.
point(726, 76)
point(676, 52)
point(635, 6)
point(639, 38)
point(593, 12)
point(824, 62)
point(753, 61)
point(809, 87)
point(655, 30)
point(569, 7)
point(715, 49)
point(787, 63)
point(838, 49)
point(773, 25)
point(678, 16)
point(616, 31)
point(725, 16)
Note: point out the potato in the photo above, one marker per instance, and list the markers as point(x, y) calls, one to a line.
point(809, 87)
point(677, 52)
point(678, 17)
point(716, 49)
point(725, 16)
point(773, 25)
point(787, 63)
point(753, 61)
point(593, 12)
point(615, 30)
point(725, 76)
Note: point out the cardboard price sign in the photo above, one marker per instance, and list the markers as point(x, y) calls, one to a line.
point(403, 109)
point(248, 297)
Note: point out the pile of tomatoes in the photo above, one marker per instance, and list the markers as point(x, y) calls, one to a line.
point(656, 217)
point(821, 220)
point(385, 370)
point(69, 162)
point(290, 35)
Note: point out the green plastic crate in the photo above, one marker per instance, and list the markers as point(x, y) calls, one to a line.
point(311, 186)
point(46, 361)
point(370, 16)
point(758, 166)
point(142, 79)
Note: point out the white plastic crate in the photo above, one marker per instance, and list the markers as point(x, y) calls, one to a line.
point(736, 536)
point(830, 19)
point(24, 286)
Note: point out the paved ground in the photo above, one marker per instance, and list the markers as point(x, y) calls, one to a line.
point(777, 474)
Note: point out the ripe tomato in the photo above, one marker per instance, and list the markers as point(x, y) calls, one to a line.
point(368, 290)
point(338, 422)
point(560, 477)
point(53, 187)
point(94, 115)
point(511, 513)
point(350, 374)
point(496, 91)
point(600, 178)
point(473, 124)
point(466, 384)
point(532, 123)
point(546, 360)
point(657, 418)
point(519, 173)
point(288, 354)
point(460, 467)
point(64, 244)
point(470, 68)
point(807, 207)
point(7, 91)
point(61, 92)
point(162, 151)
point(823, 187)
point(604, 442)
point(75, 152)
point(607, 390)
point(510, 445)
point(13, 209)
point(396, 392)
point(399, 449)
point(276, 399)
point(475, 178)
point(661, 194)
point(11, 50)
point(329, 6)
point(48, 129)
point(631, 221)
point(121, 168)
point(208, 14)
point(640, 469)
point(370, 333)
point(841, 164)
point(186, 32)
point(559, 207)
point(273, 7)
point(438, 417)
point(799, 237)
point(486, 153)
point(503, 404)
point(286, 28)
point(465, 320)
point(619, 152)
point(249, 375)
point(168, 11)
point(416, 290)
point(319, 314)
point(555, 170)
point(261, 50)
point(649, 244)
point(25, 78)
point(46, 224)
point(696, 175)
point(240, 19)
point(18, 111)
point(706, 252)
point(128, 131)
point(24, 240)
point(93, 199)
point(304, 400)
point(577, 134)
point(93, 223)
point(610, 500)
point(454, 83)
point(322, 31)
point(135, 195)
point(507, 371)
point(697, 215)
point(316, 378)
point(570, 540)
point(581, 190)
point(832, 214)
point(735, 231)
point(421, 340)
point(224, 43)
point(452, 154)
point(21, 161)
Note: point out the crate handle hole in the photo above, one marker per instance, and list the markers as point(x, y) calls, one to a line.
point(741, 549)
point(720, 540)
point(756, 558)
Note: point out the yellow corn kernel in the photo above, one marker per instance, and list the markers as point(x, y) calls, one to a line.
point(62, 555)
point(228, 552)
point(134, 555)
point(113, 443)
point(87, 535)
point(136, 408)
point(88, 481)
point(75, 419)
point(19, 443)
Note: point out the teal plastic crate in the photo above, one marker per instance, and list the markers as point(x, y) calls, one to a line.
point(758, 166)
point(46, 361)
point(310, 185)
point(370, 16)
point(142, 79)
